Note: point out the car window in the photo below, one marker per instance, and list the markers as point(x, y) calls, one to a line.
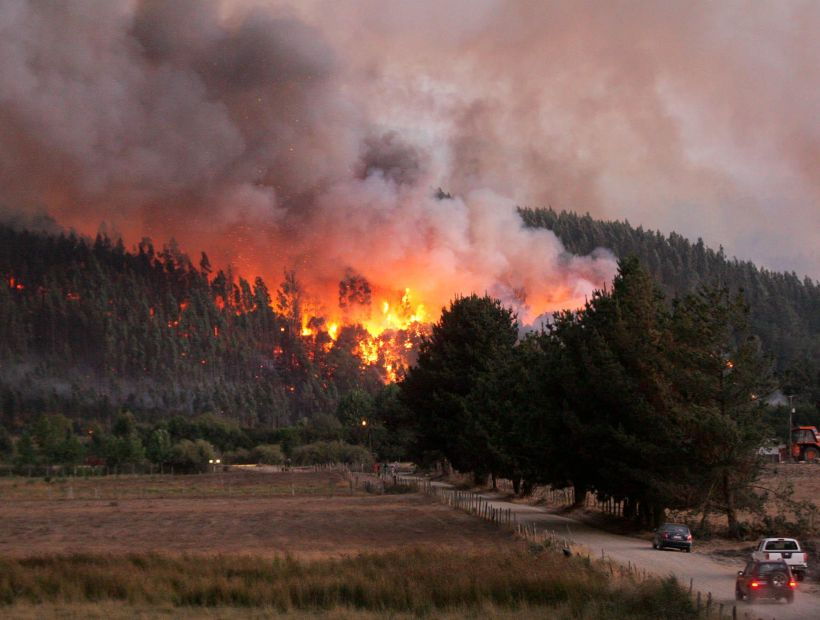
point(770, 567)
point(676, 529)
point(749, 568)
point(781, 545)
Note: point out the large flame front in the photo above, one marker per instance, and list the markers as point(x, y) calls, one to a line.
point(399, 316)
point(391, 336)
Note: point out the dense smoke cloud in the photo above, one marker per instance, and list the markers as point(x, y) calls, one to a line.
point(313, 136)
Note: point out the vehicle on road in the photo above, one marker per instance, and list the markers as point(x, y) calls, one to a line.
point(805, 444)
point(765, 579)
point(786, 549)
point(673, 536)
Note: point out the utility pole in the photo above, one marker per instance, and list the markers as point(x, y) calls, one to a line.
point(789, 430)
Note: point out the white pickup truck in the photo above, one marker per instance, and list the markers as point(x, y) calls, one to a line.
point(787, 549)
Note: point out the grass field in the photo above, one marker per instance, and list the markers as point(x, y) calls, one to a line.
point(233, 484)
point(245, 545)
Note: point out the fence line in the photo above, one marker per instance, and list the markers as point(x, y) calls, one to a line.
point(475, 504)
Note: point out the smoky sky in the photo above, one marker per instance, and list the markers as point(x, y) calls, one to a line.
point(313, 135)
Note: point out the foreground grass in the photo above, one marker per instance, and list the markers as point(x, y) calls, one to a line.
point(407, 584)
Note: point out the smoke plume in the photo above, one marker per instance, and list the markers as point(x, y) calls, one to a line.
point(312, 136)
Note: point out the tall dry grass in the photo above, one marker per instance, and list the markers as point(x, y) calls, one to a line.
point(412, 583)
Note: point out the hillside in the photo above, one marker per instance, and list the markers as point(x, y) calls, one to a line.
point(784, 310)
point(88, 328)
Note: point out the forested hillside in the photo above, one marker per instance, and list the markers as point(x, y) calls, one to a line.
point(784, 309)
point(88, 329)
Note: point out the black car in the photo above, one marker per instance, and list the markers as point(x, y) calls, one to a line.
point(674, 536)
point(765, 579)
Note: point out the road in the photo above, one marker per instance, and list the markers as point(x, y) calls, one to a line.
point(707, 574)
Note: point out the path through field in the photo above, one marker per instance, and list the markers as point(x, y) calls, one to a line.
point(707, 574)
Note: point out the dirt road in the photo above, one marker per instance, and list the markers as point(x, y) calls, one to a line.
point(706, 573)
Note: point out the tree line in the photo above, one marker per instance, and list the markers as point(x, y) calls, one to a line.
point(53, 443)
point(784, 309)
point(650, 402)
point(89, 329)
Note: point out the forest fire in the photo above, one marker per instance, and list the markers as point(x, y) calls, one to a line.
point(389, 337)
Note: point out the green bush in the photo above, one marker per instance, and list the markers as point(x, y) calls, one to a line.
point(268, 454)
point(240, 456)
point(192, 456)
point(330, 452)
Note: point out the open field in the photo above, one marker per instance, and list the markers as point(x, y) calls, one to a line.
point(296, 545)
point(242, 513)
point(243, 482)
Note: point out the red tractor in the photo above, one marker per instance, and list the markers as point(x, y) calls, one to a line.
point(805, 444)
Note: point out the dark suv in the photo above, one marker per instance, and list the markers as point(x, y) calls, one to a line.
point(765, 579)
point(673, 535)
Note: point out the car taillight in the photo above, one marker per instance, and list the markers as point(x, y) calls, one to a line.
point(665, 535)
point(754, 584)
point(689, 537)
point(792, 584)
point(767, 556)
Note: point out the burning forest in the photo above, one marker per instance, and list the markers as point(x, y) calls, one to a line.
point(237, 129)
point(150, 330)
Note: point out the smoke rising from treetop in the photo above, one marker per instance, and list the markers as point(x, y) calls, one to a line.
point(313, 135)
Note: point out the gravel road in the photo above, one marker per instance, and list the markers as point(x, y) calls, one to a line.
point(707, 573)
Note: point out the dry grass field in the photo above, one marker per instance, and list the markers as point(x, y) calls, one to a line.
point(248, 544)
point(306, 515)
point(804, 476)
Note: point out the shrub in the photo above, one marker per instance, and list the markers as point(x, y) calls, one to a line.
point(268, 454)
point(192, 456)
point(240, 456)
point(330, 452)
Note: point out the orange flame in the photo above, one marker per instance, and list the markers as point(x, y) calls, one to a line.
point(391, 335)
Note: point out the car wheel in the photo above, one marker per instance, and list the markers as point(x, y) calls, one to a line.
point(738, 594)
point(779, 580)
point(811, 455)
point(800, 576)
point(688, 549)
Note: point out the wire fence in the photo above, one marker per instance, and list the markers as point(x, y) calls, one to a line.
point(505, 517)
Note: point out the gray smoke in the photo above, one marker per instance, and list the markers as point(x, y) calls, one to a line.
point(312, 135)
